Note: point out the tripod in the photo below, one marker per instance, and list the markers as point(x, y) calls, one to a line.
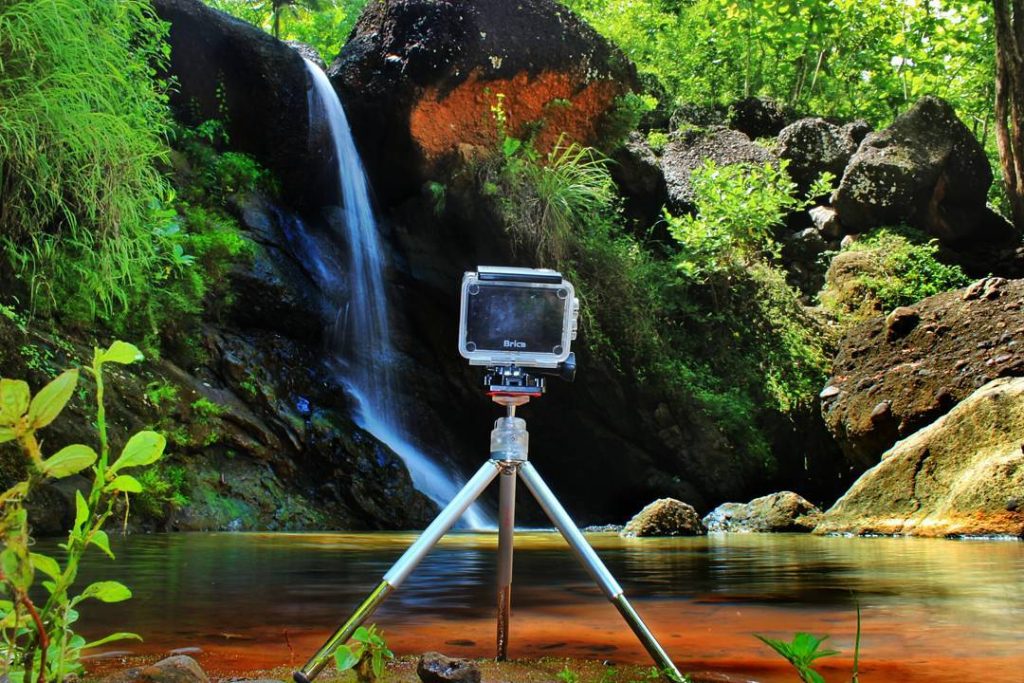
point(509, 445)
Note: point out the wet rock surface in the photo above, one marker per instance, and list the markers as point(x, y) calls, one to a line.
point(231, 71)
point(919, 362)
point(434, 667)
point(961, 475)
point(665, 517)
point(778, 512)
point(176, 669)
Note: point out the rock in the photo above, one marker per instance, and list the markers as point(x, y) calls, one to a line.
point(778, 512)
point(926, 169)
point(176, 669)
point(638, 174)
point(826, 220)
point(435, 667)
point(229, 70)
point(665, 517)
point(901, 321)
point(756, 117)
point(921, 360)
point(419, 79)
point(686, 154)
point(801, 252)
point(814, 146)
point(952, 478)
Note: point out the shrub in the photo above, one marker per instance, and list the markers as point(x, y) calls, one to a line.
point(36, 638)
point(889, 267)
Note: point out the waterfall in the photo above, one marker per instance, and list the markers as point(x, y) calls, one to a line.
point(361, 336)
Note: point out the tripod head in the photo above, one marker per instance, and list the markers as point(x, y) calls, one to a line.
point(511, 385)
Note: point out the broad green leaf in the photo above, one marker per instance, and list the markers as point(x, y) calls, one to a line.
point(121, 352)
point(16, 569)
point(14, 401)
point(345, 658)
point(143, 448)
point(122, 635)
point(69, 460)
point(104, 591)
point(7, 434)
point(46, 565)
point(51, 399)
point(102, 541)
point(126, 483)
point(81, 512)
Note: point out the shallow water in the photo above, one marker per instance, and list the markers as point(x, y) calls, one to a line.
point(932, 610)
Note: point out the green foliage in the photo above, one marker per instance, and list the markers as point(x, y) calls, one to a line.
point(163, 490)
point(205, 409)
point(82, 129)
point(567, 675)
point(900, 268)
point(714, 325)
point(801, 652)
point(37, 642)
point(839, 58)
point(161, 394)
point(365, 653)
point(322, 24)
point(624, 117)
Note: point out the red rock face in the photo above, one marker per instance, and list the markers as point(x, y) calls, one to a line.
point(446, 122)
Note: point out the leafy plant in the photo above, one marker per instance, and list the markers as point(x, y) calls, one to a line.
point(38, 643)
point(567, 675)
point(801, 652)
point(365, 653)
point(900, 267)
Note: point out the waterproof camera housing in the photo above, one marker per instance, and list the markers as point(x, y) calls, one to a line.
point(525, 317)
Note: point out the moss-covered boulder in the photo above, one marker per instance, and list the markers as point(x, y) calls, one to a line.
point(961, 475)
point(926, 169)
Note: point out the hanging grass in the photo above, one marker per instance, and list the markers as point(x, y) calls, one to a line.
point(83, 122)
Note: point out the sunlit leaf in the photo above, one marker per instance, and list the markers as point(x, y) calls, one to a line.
point(142, 448)
point(126, 483)
point(345, 658)
point(69, 460)
point(102, 541)
point(14, 400)
point(46, 565)
point(121, 352)
point(7, 434)
point(104, 591)
point(81, 512)
point(51, 399)
point(113, 637)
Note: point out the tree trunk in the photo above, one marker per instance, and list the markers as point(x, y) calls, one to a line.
point(1009, 18)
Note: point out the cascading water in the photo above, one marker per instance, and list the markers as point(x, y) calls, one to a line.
point(361, 335)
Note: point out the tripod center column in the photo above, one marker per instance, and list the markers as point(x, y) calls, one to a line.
point(510, 442)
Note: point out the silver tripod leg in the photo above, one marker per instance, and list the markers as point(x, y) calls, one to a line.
point(401, 569)
point(506, 535)
point(595, 567)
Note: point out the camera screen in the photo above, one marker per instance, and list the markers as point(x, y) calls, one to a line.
point(510, 318)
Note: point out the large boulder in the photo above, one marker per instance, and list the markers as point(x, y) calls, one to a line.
point(895, 374)
point(434, 667)
point(814, 146)
point(961, 475)
point(256, 85)
point(419, 80)
point(778, 512)
point(926, 169)
point(665, 517)
point(757, 117)
point(690, 150)
point(176, 669)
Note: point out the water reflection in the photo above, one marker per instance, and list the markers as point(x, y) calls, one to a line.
point(932, 609)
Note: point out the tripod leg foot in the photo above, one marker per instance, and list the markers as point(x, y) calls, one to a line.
point(595, 567)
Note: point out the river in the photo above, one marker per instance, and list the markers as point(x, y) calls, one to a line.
point(932, 610)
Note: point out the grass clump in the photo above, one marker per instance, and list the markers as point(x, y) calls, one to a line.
point(82, 129)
